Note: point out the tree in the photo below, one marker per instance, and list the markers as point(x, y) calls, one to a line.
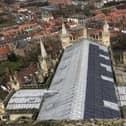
point(87, 11)
point(12, 57)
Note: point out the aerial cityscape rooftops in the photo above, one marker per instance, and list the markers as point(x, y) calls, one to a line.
point(62, 60)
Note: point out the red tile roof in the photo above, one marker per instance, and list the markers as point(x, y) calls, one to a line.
point(4, 50)
point(29, 71)
point(26, 26)
point(113, 16)
point(13, 31)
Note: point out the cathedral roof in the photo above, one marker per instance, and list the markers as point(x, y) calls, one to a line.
point(84, 83)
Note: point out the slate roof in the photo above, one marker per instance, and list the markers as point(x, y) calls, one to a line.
point(84, 84)
point(26, 99)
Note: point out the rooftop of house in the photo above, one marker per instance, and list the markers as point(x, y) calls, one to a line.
point(14, 30)
point(24, 76)
point(4, 50)
point(112, 15)
point(114, 34)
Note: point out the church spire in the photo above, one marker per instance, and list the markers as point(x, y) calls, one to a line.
point(106, 34)
point(106, 26)
point(14, 83)
point(43, 59)
point(43, 51)
point(64, 31)
point(84, 31)
point(64, 36)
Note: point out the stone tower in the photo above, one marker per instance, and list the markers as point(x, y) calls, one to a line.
point(43, 59)
point(65, 39)
point(85, 31)
point(106, 34)
point(14, 83)
point(39, 74)
point(2, 108)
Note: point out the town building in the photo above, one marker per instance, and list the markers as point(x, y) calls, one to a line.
point(26, 77)
point(47, 12)
point(4, 52)
point(3, 114)
point(17, 30)
point(120, 75)
point(121, 95)
point(25, 103)
point(78, 19)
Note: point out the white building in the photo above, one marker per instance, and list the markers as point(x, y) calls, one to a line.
point(25, 102)
point(122, 95)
